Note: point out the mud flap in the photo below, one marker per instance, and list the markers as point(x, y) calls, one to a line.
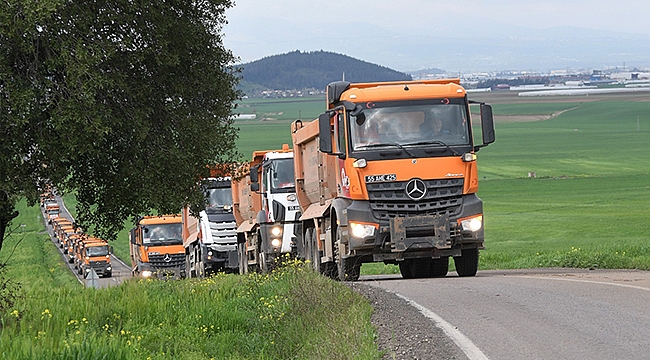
point(420, 233)
point(233, 260)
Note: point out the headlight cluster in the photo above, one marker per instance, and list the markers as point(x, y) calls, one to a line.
point(276, 236)
point(361, 230)
point(147, 273)
point(472, 224)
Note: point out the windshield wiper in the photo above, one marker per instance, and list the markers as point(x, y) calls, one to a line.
point(388, 144)
point(433, 142)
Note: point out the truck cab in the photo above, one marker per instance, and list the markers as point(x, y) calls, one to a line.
point(210, 240)
point(156, 247)
point(280, 209)
point(94, 254)
point(388, 173)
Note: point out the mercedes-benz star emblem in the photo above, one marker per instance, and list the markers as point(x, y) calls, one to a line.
point(416, 189)
point(167, 258)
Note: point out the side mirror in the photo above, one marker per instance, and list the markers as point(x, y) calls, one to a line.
point(325, 133)
point(255, 174)
point(487, 124)
point(132, 236)
point(255, 186)
point(110, 249)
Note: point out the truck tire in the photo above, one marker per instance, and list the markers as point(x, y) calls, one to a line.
point(467, 263)
point(420, 267)
point(264, 266)
point(347, 268)
point(243, 258)
point(198, 263)
point(405, 269)
point(188, 266)
point(308, 248)
point(439, 267)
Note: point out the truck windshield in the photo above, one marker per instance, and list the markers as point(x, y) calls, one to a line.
point(97, 251)
point(282, 176)
point(162, 234)
point(442, 122)
point(219, 198)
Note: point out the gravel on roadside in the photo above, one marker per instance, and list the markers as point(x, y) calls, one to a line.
point(403, 331)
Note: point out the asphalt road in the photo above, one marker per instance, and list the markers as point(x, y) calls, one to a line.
point(121, 271)
point(536, 314)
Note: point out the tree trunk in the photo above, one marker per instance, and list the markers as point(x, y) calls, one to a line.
point(7, 213)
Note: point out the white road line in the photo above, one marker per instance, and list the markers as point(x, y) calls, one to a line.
point(463, 342)
point(579, 280)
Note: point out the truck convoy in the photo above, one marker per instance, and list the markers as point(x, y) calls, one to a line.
point(388, 174)
point(266, 209)
point(210, 241)
point(156, 247)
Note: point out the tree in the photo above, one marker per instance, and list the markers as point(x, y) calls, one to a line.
point(123, 102)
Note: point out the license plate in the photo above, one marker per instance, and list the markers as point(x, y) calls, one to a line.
point(380, 178)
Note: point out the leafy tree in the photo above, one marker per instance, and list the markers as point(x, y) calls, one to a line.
point(123, 102)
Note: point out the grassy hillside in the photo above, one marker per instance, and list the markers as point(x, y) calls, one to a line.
point(301, 70)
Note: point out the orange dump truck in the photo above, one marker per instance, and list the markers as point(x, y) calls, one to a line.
point(93, 254)
point(388, 174)
point(157, 247)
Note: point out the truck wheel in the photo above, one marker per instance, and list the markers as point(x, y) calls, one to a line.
point(307, 247)
point(420, 267)
point(188, 266)
point(313, 252)
point(243, 258)
point(347, 268)
point(439, 267)
point(467, 263)
point(405, 269)
point(264, 266)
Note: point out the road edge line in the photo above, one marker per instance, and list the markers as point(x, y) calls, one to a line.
point(463, 342)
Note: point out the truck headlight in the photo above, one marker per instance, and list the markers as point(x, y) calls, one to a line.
point(472, 224)
point(146, 273)
point(276, 242)
point(361, 230)
point(108, 268)
point(276, 231)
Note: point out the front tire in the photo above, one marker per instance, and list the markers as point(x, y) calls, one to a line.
point(467, 263)
point(243, 258)
point(420, 267)
point(439, 267)
point(405, 269)
point(347, 268)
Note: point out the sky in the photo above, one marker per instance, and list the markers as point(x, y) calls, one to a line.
point(460, 35)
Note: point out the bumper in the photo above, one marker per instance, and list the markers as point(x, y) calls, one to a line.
point(417, 235)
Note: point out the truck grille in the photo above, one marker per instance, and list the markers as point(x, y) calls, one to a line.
point(224, 232)
point(389, 199)
point(163, 261)
point(97, 264)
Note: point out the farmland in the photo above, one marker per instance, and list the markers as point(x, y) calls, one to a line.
point(587, 206)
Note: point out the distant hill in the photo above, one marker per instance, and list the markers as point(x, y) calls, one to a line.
point(303, 70)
